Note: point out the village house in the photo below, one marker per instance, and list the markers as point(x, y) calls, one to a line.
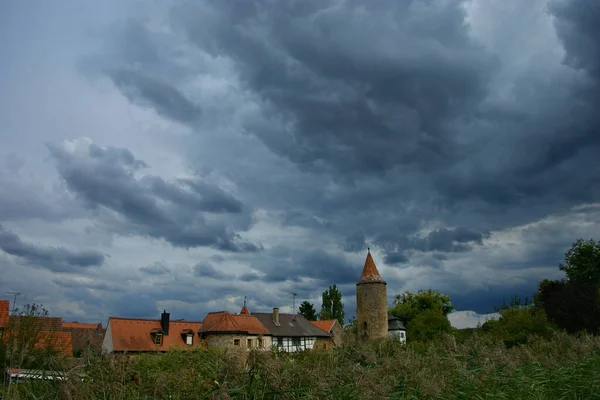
point(333, 327)
point(84, 336)
point(396, 329)
point(222, 329)
point(293, 332)
point(34, 331)
point(131, 335)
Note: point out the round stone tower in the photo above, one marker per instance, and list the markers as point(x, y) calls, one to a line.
point(371, 303)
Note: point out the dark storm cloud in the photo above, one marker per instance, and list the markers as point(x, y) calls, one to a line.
point(165, 99)
point(249, 277)
point(360, 95)
point(281, 264)
point(104, 179)
point(57, 259)
point(205, 270)
point(391, 116)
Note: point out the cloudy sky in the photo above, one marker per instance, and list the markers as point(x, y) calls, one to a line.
point(183, 155)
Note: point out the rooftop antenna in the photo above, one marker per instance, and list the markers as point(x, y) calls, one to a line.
point(15, 294)
point(294, 302)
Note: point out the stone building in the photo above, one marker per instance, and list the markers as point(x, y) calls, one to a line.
point(222, 329)
point(371, 303)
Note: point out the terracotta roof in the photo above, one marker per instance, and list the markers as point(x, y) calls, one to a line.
point(4, 313)
point(60, 341)
point(129, 334)
point(244, 310)
point(291, 325)
point(79, 325)
point(40, 323)
point(370, 273)
point(325, 325)
point(224, 322)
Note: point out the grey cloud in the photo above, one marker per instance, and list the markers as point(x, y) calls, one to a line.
point(449, 240)
point(205, 270)
point(249, 277)
point(156, 268)
point(57, 259)
point(104, 179)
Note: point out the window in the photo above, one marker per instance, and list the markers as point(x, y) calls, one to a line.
point(279, 342)
point(189, 340)
point(259, 342)
point(296, 341)
point(236, 342)
point(249, 343)
point(365, 326)
point(402, 335)
point(157, 338)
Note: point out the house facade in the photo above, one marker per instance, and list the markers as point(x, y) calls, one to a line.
point(396, 329)
point(293, 332)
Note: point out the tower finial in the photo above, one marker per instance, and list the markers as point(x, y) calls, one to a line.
point(244, 301)
point(369, 250)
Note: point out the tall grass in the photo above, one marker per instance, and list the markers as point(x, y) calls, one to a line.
point(559, 367)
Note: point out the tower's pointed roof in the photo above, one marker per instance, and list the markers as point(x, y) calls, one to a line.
point(370, 273)
point(244, 310)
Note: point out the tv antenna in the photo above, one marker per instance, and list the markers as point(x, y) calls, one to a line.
point(15, 294)
point(294, 302)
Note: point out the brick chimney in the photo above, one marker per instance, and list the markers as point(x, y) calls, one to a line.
point(276, 315)
point(164, 322)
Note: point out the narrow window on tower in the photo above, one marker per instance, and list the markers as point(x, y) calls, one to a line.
point(365, 326)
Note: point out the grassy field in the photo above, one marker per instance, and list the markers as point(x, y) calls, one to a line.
point(474, 367)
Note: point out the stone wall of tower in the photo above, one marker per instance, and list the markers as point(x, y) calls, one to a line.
point(371, 308)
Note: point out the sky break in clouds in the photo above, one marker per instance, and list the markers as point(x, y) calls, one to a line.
point(185, 154)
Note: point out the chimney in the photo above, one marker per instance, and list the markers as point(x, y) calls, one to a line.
point(164, 322)
point(276, 315)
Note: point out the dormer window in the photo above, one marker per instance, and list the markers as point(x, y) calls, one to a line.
point(187, 335)
point(157, 336)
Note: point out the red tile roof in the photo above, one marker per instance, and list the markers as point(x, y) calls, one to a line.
point(4, 313)
point(130, 334)
point(244, 310)
point(224, 322)
point(39, 323)
point(79, 325)
point(370, 273)
point(325, 325)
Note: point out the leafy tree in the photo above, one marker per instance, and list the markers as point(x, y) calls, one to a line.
point(29, 341)
point(408, 305)
point(515, 302)
point(307, 310)
point(428, 325)
point(582, 262)
point(517, 324)
point(572, 306)
point(332, 306)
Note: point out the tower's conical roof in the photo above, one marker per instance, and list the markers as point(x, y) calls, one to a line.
point(370, 273)
point(244, 310)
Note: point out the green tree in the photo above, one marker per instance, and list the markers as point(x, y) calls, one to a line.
point(307, 310)
point(517, 324)
point(428, 325)
point(408, 305)
point(582, 262)
point(572, 306)
point(332, 306)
